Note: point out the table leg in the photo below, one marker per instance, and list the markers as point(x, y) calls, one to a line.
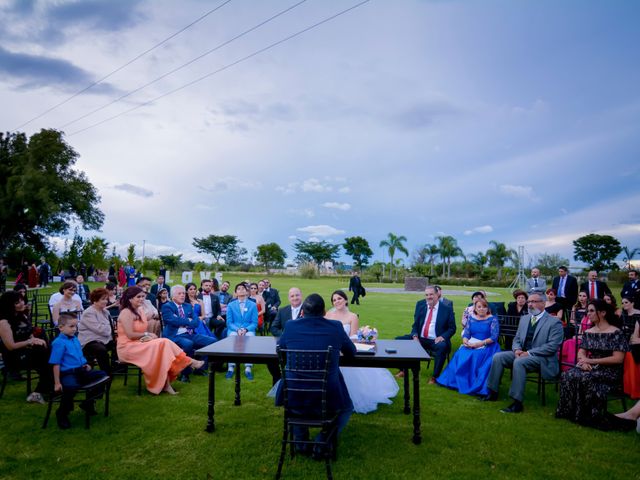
point(237, 400)
point(417, 436)
point(211, 426)
point(407, 395)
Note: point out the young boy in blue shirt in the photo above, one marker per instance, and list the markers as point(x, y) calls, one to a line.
point(70, 369)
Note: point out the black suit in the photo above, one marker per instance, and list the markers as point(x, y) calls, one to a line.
point(445, 328)
point(570, 291)
point(215, 325)
point(282, 317)
point(601, 289)
point(83, 293)
point(631, 290)
point(155, 287)
point(355, 286)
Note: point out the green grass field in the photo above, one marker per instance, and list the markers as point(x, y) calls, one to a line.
point(164, 437)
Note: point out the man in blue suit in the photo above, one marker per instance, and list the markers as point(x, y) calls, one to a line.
point(433, 326)
point(242, 319)
point(314, 332)
point(180, 326)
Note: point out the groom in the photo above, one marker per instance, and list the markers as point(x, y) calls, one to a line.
point(314, 332)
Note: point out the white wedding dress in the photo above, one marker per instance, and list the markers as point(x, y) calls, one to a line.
point(368, 386)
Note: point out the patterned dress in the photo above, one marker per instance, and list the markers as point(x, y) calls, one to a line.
point(583, 394)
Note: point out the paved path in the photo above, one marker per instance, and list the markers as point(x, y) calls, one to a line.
point(454, 293)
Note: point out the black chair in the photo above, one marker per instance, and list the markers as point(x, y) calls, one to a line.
point(306, 372)
point(120, 368)
point(88, 393)
point(508, 329)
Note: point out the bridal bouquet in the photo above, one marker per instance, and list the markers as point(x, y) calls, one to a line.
point(367, 334)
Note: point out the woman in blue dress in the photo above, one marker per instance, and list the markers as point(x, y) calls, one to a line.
point(469, 368)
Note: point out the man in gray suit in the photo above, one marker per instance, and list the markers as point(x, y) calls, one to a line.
point(535, 284)
point(535, 348)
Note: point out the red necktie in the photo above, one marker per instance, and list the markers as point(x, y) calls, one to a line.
point(180, 311)
point(425, 332)
point(592, 294)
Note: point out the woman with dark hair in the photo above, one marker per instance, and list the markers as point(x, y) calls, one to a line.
point(519, 307)
point(260, 303)
point(162, 298)
point(584, 388)
point(191, 297)
point(20, 348)
point(160, 359)
point(95, 330)
point(113, 304)
point(367, 386)
point(67, 303)
point(611, 300)
point(469, 310)
point(469, 368)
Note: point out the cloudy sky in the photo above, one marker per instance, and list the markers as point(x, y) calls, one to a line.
point(513, 121)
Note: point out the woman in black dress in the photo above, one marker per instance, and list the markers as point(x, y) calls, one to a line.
point(584, 388)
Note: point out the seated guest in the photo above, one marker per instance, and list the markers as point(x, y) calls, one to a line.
point(70, 369)
point(83, 291)
point(159, 285)
point(552, 299)
point(149, 305)
point(162, 298)
point(571, 346)
point(57, 296)
point(225, 297)
point(535, 348)
point(160, 360)
point(67, 303)
point(21, 288)
point(180, 325)
point(242, 319)
point(292, 311)
point(19, 347)
point(113, 303)
point(631, 326)
point(198, 310)
point(584, 389)
point(260, 303)
point(611, 301)
point(313, 332)
point(95, 330)
point(468, 370)
point(578, 313)
point(519, 307)
point(469, 310)
point(211, 309)
point(433, 326)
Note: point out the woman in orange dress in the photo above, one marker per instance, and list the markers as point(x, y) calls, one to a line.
point(260, 303)
point(160, 359)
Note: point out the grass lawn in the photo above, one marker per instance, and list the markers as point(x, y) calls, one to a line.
point(164, 436)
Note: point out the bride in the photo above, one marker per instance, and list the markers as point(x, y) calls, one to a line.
point(367, 386)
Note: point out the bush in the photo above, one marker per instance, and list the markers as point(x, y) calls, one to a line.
point(308, 270)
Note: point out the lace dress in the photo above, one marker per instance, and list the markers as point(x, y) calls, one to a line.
point(368, 386)
point(583, 394)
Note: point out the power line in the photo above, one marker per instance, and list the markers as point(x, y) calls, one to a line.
point(202, 17)
point(208, 52)
point(257, 52)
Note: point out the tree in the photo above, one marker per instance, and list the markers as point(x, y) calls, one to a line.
point(426, 254)
point(218, 246)
point(393, 243)
point(448, 248)
point(170, 261)
point(548, 263)
point(270, 255)
point(94, 252)
point(358, 248)
point(40, 193)
point(479, 260)
point(72, 256)
point(597, 251)
point(499, 255)
point(628, 255)
point(131, 254)
point(316, 251)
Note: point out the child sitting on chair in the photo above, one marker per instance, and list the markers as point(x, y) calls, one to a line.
point(70, 369)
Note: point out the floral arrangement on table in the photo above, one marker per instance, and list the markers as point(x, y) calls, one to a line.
point(367, 334)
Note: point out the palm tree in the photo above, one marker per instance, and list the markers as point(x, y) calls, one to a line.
point(479, 259)
point(393, 243)
point(448, 248)
point(628, 255)
point(432, 251)
point(499, 255)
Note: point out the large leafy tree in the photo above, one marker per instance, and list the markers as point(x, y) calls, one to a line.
point(40, 192)
point(358, 248)
point(392, 243)
point(270, 255)
point(94, 252)
point(219, 247)
point(548, 263)
point(170, 261)
point(597, 251)
point(316, 251)
point(499, 255)
point(448, 248)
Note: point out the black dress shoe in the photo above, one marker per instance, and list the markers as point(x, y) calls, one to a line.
point(490, 397)
point(515, 407)
point(184, 378)
point(63, 420)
